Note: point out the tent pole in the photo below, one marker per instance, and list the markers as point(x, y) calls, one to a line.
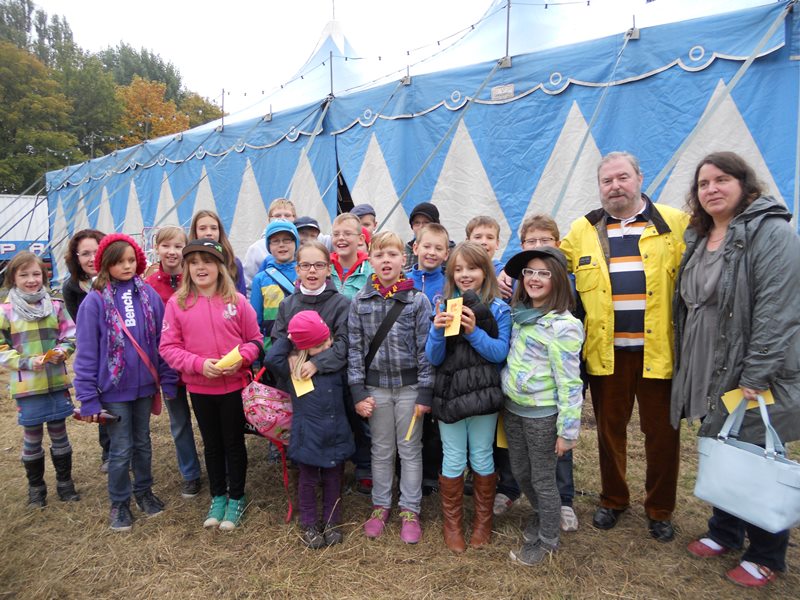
point(796, 207)
point(508, 25)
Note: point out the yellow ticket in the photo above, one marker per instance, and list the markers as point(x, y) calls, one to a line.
point(302, 386)
point(230, 359)
point(454, 307)
point(734, 397)
point(51, 354)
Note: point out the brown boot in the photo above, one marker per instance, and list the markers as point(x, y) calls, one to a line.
point(483, 502)
point(451, 490)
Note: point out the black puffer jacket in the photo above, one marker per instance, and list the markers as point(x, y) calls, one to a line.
point(466, 384)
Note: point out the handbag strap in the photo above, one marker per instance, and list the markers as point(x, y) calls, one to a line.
point(142, 354)
point(732, 425)
point(383, 330)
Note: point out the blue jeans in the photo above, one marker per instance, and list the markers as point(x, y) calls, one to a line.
point(130, 439)
point(180, 426)
point(474, 435)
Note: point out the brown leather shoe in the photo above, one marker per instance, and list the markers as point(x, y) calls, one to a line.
point(483, 501)
point(451, 491)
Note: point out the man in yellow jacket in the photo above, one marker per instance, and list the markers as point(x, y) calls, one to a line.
point(625, 257)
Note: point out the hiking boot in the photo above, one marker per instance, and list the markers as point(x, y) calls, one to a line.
point(233, 514)
point(190, 489)
point(377, 522)
point(149, 503)
point(216, 513)
point(121, 518)
point(313, 538)
point(37, 489)
point(333, 535)
point(501, 504)
point(532, 553)
point(65, 487)
point(410, 529)
point(569, 520)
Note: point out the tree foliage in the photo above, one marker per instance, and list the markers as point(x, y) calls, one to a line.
point(199, 110)
point(124, 62)
point(148, 114)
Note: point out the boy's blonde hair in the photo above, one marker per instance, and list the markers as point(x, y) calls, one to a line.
point(386, 239)
point(281, 203)
point(542, 222)
point(475, 256)
point(226, 289)
point(435, 229)
point(482, 221)
point(170, 232)
point(347, 217)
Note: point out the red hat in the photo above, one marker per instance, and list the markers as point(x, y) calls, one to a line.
point(367, 236)
point(307, 329)
point(141, 260)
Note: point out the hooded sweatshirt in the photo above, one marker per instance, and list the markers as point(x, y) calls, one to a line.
point(349, 284)
point(267, 291)
point(92, 378)
point(430, 283)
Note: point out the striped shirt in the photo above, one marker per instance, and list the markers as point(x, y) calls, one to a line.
point(628, 282)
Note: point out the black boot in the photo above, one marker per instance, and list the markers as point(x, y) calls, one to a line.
point(64, 484)
point(37, 489)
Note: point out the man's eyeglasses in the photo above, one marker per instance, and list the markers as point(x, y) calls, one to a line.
point(317, 266)
point(537, 273)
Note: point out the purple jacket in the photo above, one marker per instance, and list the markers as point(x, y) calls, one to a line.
point(92, 380)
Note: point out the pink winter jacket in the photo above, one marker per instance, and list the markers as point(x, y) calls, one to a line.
point(209, 328)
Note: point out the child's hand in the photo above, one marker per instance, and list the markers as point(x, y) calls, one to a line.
point(58, 356)
point(563, 446)
point(232, 369)
point(467, 320)
point(441, 319)
point(308, 370)
point(421, 409)
point(38, 363)
point(505, 282)
point(210, 369)
point(365, 407)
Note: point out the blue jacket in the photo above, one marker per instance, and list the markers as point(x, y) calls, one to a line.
point(321, 434)
point(266, 295)
point(430, 283)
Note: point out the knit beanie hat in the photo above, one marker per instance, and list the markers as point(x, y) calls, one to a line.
point(275, 226)
point(141, 260)
point(307, 329)
point(425, 209)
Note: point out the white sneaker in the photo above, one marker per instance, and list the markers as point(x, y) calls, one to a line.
point(501, 504)
point(569, 520)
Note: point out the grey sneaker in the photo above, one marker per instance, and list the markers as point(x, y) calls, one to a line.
point(149, 503)
point(532, 553)
point(190, 489)
point(313, 537)
point(333, 535)
point(531, 531)
point(121, 518)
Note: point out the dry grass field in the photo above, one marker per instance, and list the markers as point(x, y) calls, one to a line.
point(67, 550)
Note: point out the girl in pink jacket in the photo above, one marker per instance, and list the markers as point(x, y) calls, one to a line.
point(203, 321)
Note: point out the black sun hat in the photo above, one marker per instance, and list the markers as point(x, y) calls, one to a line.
point(520, 260)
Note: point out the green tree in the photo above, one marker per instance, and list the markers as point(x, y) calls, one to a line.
point(34, 116)
point(199, 110)
point(124, 63)
point(16, 21)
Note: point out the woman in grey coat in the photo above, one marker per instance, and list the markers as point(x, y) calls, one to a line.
point(737, 322)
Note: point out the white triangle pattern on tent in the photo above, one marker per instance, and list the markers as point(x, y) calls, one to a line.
point(204, 200)
point(581, 194)
point(79, 219)
point(725, 130)
point(306, 196)
point(133, 225)
point(105, 220)
point(59, 242)
point(166, 203)
point(463, 190)
point(374, 186)
point(250, 217)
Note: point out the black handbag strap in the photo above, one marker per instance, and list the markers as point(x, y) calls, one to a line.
point(380, 335)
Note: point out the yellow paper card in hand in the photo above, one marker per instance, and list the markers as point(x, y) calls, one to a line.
point(454, 307)
point(302, 386)
point(734, 397)
point(502, 441)
point(230, 359)
point(50, 354)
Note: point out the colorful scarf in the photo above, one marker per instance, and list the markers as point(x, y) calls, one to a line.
point(31, 307)
point(114, 324)
point(400, 285)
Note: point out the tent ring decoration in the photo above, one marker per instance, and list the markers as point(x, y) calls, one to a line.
point(697, 53)
point(556, 79)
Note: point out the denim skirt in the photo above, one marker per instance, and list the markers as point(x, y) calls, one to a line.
point(41, 408)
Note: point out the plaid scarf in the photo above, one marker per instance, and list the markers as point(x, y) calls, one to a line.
point(400, 285)
point(115, 327)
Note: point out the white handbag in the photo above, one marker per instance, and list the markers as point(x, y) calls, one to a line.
point(759, 485)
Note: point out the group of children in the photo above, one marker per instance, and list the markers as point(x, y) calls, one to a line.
point(363, 341)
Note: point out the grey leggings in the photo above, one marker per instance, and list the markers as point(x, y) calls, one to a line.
point(532, 450)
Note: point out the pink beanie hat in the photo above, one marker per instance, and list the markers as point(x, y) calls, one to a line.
point(141, 260)
point(307, 329)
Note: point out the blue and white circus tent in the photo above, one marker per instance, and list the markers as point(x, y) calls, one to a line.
point(506, 138)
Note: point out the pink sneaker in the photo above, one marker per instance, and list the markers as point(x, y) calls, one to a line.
point(377, 522)
point(410, 530)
